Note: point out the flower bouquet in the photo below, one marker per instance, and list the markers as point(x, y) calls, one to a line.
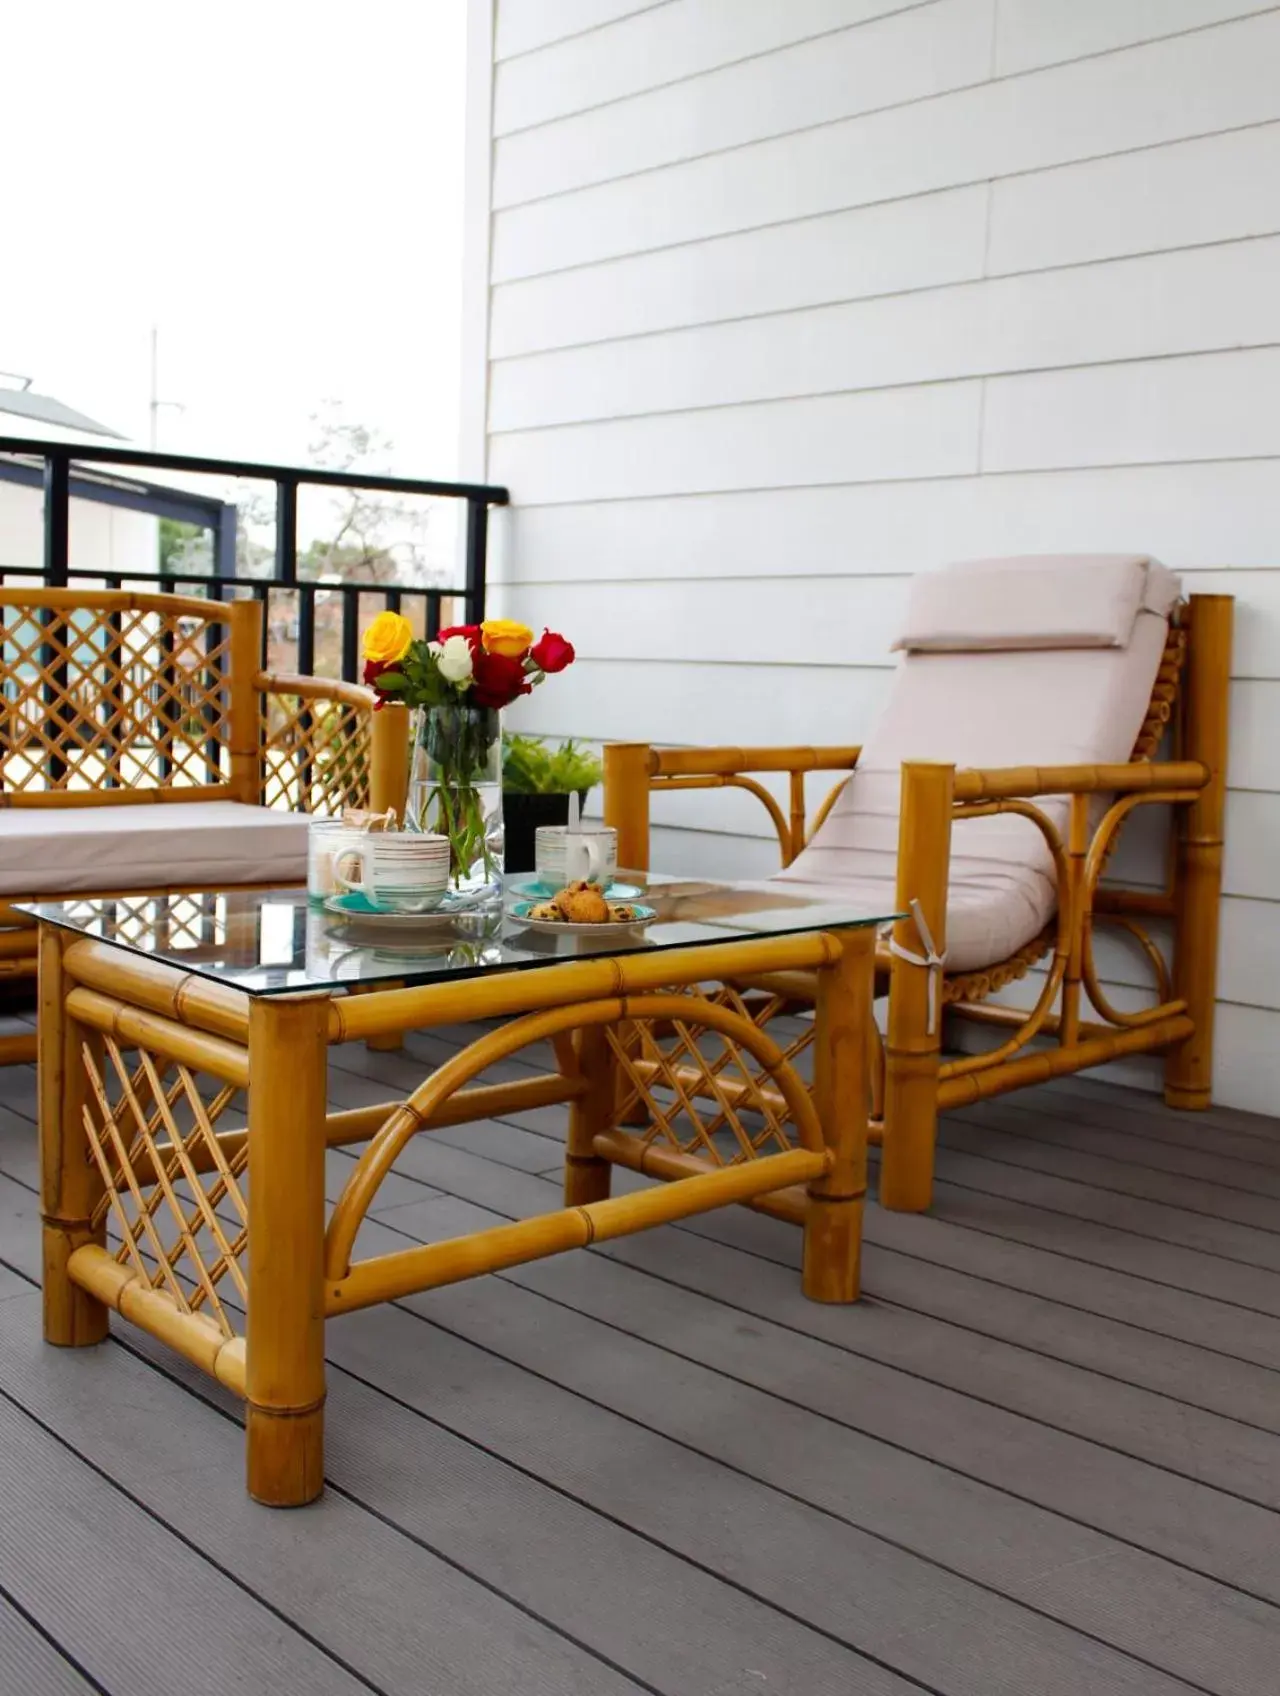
point(458, 685)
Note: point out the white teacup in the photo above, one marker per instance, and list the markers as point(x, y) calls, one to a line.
point(562, 857)
point(401, 871)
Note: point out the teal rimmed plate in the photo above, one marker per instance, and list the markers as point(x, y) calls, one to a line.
point(521, 911)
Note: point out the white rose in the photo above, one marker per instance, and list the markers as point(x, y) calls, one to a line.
point(454, 657)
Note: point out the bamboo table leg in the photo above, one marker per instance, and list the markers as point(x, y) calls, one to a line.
point(285, 1337)
point(841, 1087)
point(586, 1175)
point(70, 1183)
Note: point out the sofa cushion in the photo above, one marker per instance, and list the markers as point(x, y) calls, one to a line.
point(211, 845)
point(1034, 601)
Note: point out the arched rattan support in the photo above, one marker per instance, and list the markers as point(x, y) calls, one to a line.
point(411, 1117)
point(1035, 1019)
point(1165, 1002)
point(737, 781)
point(829, 801)
point(1099, 852)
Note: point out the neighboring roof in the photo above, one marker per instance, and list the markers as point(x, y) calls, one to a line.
point(24, 404)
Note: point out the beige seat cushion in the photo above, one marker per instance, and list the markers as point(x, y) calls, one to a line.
point(1066, 706)
point(190, 844)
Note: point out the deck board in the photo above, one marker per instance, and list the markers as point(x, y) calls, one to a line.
point(32, 1662)
point(1041, 1456)
point(1030, 1147)
point(1195, 1155)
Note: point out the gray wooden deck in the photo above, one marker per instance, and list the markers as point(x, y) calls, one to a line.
point(1041, 1458)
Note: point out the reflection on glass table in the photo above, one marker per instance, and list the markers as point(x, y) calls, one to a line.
point(272, 942)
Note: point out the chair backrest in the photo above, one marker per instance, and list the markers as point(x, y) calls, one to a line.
point(1047, 660)
point(120, 697)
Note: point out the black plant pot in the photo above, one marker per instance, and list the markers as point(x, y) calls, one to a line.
point(522, 815)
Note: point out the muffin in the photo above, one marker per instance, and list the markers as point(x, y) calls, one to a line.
point(583, 904)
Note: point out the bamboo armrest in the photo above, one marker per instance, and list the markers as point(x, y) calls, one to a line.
point(1133, 777)
point(715, 762)
point(313, 688)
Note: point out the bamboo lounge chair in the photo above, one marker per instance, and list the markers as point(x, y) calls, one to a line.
point(114, 702)
point(1021, 731)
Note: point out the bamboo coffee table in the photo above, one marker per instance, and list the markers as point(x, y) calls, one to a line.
point(184, 1123)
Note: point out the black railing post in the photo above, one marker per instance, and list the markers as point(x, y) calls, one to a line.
point(477, 558)
point(286, 562)
point(168, 705)
point(225, 533)
point(306, 628)
point(287, 530)
point(114, 678)
point(350, 633)
point(261, 592)
point(57, 552)
point(57, 519)
point(306, 658)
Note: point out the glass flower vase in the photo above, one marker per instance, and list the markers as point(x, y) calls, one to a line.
point(455, 789)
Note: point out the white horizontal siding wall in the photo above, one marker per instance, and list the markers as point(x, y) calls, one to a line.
point(783, 303)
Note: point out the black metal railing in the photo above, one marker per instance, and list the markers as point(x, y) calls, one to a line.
point(50, 465)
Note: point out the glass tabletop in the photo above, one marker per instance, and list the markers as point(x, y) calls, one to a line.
point(277, 942)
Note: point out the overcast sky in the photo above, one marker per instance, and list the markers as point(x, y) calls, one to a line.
point(277, 184)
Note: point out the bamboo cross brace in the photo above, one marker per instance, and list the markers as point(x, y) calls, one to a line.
point(432, 1265)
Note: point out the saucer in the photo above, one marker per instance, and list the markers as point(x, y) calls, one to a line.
point(521, 911)
point(356, 908)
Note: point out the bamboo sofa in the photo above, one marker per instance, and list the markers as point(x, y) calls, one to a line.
point(1031, 701)
point(143, 751)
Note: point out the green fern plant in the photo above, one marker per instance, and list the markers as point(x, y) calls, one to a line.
point(530, 767)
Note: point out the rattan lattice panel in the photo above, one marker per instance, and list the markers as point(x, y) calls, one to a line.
point(316, 754)
point(102, 698)
point(702, 1093)
point(150, 1130)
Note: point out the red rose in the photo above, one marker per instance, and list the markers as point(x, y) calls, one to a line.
point(373, 670)
point(552, 652)
point(470, 631)
point(497, 680)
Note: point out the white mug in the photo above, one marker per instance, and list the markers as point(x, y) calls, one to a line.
point(562, 857)
point(401, 871)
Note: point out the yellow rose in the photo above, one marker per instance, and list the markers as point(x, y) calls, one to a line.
point(504, 636)
point(388, 638)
